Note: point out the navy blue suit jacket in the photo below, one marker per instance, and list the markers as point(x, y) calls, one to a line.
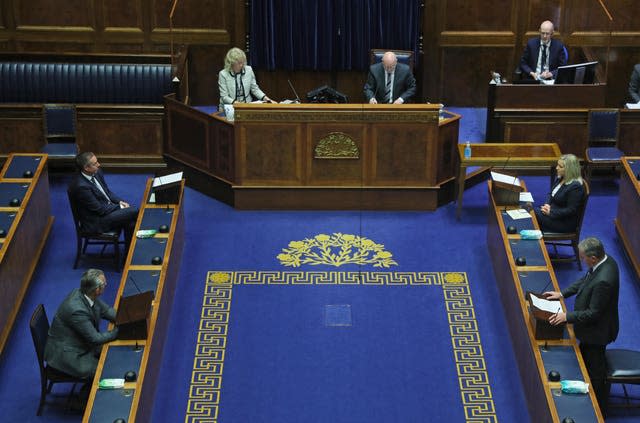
point(404, 84)
point(529, 58)
point(565, 206)
point(93, 207)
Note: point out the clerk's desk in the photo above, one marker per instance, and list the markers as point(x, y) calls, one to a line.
point(553, 112)
point(627, 221)
point(135, 401)
point(535, 358)
point(317, 156)
point(26, 227)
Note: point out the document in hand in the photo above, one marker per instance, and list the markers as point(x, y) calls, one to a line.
point(551, 306)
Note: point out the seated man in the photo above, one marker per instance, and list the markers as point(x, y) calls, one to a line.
point(543, 55)
point(634, 84)
point(389, 82)
point(99, 209)
point(75, 340)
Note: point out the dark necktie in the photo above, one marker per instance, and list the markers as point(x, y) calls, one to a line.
point(387, 91)
point(96, 317)
point(586, 279)
point(95, 182)
point(543, 58)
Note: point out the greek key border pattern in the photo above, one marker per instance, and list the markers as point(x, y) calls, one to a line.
point(473, 379)
point(206, 379)
point(208, 363)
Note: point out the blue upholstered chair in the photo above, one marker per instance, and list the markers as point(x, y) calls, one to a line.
point(404, 56)
point(60, 132)
point(602, 145)
point(623, 367)
point(39, 326)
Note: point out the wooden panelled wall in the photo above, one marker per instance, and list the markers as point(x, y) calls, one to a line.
point(463, 40)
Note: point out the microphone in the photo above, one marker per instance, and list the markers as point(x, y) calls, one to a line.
point(134, 283)
point(294, 91)
point(545, 287)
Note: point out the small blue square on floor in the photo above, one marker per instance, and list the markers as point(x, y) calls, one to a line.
point(337, 315)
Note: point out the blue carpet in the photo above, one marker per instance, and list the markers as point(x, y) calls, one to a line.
point(218, 237)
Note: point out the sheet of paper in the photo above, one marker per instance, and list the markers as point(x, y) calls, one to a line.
point(526, 197)
point(552, 306)
point(518, 214)
point(633, 105)
point(167, 179)
point(506, 179)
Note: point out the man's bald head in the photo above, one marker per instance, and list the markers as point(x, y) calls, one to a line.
point(389, 61)
point(546, 31)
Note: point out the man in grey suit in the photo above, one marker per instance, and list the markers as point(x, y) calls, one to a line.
point(595, 312)
point(389, 82)
point(75, 340)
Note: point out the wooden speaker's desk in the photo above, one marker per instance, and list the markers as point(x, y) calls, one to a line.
point(628, 219)
point(143, 356)
point(535, 358)
point(26, 227)
point(318, 156)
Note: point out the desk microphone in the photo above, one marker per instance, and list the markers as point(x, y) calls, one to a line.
point(545, 287)
point(294, 91)
point(134, 283)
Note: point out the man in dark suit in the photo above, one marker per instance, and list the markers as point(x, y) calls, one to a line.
point(389, 82)
point(543, 55)
point(595, 312)
point(99, 208)
point(75, 340)
point(634, 84)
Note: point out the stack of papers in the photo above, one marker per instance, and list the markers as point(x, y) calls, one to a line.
point(518, 214)
point(505, 179)
point(633, 106)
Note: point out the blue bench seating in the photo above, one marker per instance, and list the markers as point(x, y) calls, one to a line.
point(29, 82)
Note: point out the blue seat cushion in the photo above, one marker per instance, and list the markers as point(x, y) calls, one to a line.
point(61, 150)
point(623, 363)
point(609, 154)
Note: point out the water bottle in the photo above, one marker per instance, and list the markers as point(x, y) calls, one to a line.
point(467, 150)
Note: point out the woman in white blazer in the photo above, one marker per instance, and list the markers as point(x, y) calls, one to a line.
point(237, 82)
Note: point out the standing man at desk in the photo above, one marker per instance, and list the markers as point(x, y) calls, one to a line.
point(100, 209)
point(75, 341)
point(634, 84)
point(389, 81)
point(595, 312)
point(543, 55)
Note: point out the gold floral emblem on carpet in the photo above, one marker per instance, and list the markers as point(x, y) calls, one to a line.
point(335, 250)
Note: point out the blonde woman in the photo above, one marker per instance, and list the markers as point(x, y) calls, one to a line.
point(560, 213)
point(237, 82)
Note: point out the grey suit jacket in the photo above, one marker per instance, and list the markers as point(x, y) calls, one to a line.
point(74, 341)
point(404, 84)
point(228, 83)
point(595, 312)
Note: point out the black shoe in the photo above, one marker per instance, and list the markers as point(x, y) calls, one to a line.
point(77, 404)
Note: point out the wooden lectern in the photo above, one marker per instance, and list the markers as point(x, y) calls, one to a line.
point(539, 320)
point(132, 318)
point(506, 193)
